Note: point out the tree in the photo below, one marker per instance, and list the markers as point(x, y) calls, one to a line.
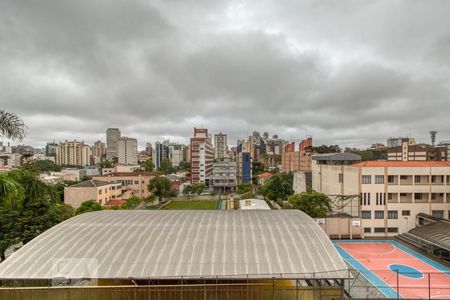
point(45, 166)
point(11, 126)
point(184, 165)
point(131, 203)
point(188, 190)
point(88, 206)
point(278, 187)
point(166, 167)
point(326, 149)
point(12, 192)
point(198, 188)
point(25, 223)
point(106, 164)
point(314, 204)
point(160, 186)
point(244, 188)
point(10, 229)
point(149, 166)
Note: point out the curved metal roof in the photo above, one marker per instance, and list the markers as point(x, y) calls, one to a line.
point(190, 244)
point(437, 233)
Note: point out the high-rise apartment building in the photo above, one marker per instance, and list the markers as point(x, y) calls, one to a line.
point(50, 149)
point(99, 149)
point(202, 156)
point(127, 151)
point(224, 175)
point(160, 152)
point(112, 137)
point(177, 154)
point(149, 149)
point(220, 146)
point(73, 153)
point(244, 165)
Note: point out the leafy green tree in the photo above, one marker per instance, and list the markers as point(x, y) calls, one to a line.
point(314, 204)
point(160, 186)
point(46, 166)
point(106, 164)
point(184, 165)
point(12, 192)
point(28, 221)
point(248, 195)
point(11, 126)
point(88, 206)
point(278, 187)
point(166, 167)
point(149, 166)
point(131, 202)
point(244, 188)
point(10, 229)
point(326, 149)
point(188, 190)
point(198, 188)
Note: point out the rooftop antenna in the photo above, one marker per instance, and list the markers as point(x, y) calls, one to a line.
point(433, 137)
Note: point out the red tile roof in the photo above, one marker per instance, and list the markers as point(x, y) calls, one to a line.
point(405, 164)
point(128, 174)
point(265, 175)
point(115, 202)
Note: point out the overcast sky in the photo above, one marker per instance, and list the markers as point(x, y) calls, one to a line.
point(347, 72)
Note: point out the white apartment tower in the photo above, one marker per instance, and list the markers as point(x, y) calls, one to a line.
point(112, 137)
point(73, 153)
point(220, 146)
point(127, 151)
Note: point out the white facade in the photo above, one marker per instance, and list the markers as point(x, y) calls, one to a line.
point(73, 153)
point(127, 151)
point(220, 146)
point(388, 194)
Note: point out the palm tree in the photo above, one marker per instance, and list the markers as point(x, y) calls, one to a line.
point(11, 192)
point(11, 126)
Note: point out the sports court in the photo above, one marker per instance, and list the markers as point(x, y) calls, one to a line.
point(396, 270)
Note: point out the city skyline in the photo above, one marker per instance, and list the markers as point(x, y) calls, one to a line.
point(158, 69)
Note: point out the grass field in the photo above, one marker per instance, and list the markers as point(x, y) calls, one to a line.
point(192, 204)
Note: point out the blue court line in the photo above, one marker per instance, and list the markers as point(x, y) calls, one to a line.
point(369, 275)
point(374, 279)
point(417, 255)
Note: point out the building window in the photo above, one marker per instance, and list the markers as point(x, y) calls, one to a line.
point(403, 177)
point(366, 214)
point(402, 194)
point(366, 179)
point(379, 214)
point(417, 196)
point(406, 213)
point(392, 229)
point(367, 230)
point(433, 178)
point(341, 178)
point(379, 229)
point(390, 179)
point(437, 213)
point(433, 196)
point(379, 179)
point(392, 214)
point(417, 179)
point(100, 192)
point(389, 196)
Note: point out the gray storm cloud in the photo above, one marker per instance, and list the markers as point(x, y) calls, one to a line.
point(348, 72)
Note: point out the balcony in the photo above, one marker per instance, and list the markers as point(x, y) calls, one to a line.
point(406, 197)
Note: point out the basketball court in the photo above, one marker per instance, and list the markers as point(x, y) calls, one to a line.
point(396, 270)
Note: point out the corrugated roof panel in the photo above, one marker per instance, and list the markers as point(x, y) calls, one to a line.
point(157, 244)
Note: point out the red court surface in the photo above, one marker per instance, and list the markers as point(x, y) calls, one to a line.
point(380, 261)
